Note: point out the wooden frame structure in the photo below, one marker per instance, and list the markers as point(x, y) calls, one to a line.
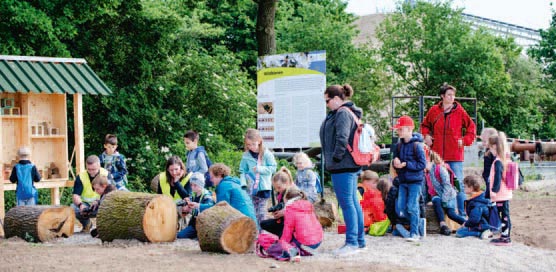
point(33, 92)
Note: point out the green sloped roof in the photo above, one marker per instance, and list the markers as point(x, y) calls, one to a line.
point(49, 75)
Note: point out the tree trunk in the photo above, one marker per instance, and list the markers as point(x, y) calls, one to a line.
point(326, 212)
point(222, 228)
point(39, 223)
point(266, 35)
point(141, 216)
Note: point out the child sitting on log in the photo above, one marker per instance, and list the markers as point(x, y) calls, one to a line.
point(102, 187)
point(301, 225)
point(201, 199)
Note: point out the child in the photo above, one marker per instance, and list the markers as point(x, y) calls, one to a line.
point(229, 189)
point(371, 202)
point(488, 158)
point(196, 155)
point(24, 173)
point(301, 225)
point(477, 209)
point(305, 179)
point(499, 193)
point(443, 193)
point(174, 182)
point(409, 163)
point(102, 187)
point(114, 162)
point(256, 168)
point(201, 199)
point(281, 181)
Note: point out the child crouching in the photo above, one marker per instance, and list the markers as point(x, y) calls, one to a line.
point(477, 210)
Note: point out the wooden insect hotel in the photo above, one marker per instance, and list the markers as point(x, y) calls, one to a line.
point(33, 96)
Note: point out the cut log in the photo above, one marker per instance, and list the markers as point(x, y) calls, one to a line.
point(433, 226)
point(154, 183)
point(39, 223)
point(326, 212)
point(141, 216)
point(222, 228)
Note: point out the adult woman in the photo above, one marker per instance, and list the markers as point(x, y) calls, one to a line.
point(336, 133)
point(174, 181)
point(447, 129)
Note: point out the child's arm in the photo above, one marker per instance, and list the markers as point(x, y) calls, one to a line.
point(120, 169)
point(268, 166)
point(36, 176)
point(202, 162)
point(421, 161)
point(183, 192)
point(498, 169)
point(474, 218)
point(206, 203)
point(13, 175)
point(287, 233)
point(243, 169)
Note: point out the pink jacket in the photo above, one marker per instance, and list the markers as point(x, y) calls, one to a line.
point(502, 195)
point(301, 223)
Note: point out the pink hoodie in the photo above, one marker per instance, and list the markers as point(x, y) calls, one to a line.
point(301, 222)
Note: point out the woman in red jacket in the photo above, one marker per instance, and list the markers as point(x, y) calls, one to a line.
point(447, 129)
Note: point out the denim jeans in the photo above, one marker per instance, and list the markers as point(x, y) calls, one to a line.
point(439, 210)
point(26, 202)
point(83, 220)
point(345, 188)
point(465, 231)
point(188, 233)
point(408, 205)
point(457, 168)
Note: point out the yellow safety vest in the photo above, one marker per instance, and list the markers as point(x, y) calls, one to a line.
point(89, 195)
point(165, 185)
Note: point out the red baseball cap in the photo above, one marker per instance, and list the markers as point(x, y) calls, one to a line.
point(404, 121)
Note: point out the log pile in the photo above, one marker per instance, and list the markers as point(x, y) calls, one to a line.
point(39, 223)
point(224, 229)
point(141, 216)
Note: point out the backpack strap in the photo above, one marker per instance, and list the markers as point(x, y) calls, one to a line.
point(357, 120)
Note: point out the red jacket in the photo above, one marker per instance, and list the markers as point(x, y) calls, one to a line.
point(300, 221)
point(372, 206)
point(446, 130)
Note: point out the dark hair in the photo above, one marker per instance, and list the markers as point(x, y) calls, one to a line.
point(344, 92)
point(445, 87)
point(383, 186)
point(473, 182)
point(111, 139)
point(171, 161)
point(191, 135)
point(294, 192)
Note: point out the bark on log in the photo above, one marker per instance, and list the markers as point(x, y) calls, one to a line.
point(433, 226)
point(222, 228)
point(326, 212)
point(39, 223)
point(154, 183)
point(141, 216)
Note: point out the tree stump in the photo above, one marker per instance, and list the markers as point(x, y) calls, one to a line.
point(326, 212)
point(39, 223)
point(141, 216)
point(222, 228)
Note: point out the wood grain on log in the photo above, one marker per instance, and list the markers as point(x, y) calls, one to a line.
point(39, 223)
point(222, 228)
point(141, 216)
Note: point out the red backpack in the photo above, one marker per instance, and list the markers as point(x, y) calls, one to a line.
point(361, 158)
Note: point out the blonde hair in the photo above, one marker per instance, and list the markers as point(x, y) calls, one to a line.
point(499, 143)
point(100, 180)
point(384, 186)
point(303, 159)
point(283, 176)
point(253, 135)
point(293, 192)
point(369, 175)
point(486, 134)
point(436, 158)
point(220, 170)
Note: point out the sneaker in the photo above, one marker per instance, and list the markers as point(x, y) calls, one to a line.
point(445, 230)
point(413, 238)
point(502, 241)
point(346, 250)
point(363, 247)
point(486, 234)
point(306, 251)
point(295, 259)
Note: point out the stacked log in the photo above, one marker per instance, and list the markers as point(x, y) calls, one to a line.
point(224, 229)
point(39, 223)
point(141, 216)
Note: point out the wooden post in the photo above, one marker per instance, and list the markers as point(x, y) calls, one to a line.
point(2, 207)
point(78, 131)
point(54, 196)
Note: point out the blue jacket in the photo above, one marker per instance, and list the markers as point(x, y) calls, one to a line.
point(115, 164)
point(265, 170)
point(229, 190)
point(413, 154)
point(24, 174)
point(336, 132)
point(477, 212)
point(205, 201)
point(306, 181)
point(196, 160)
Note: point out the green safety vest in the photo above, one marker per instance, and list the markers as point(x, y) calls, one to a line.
point(89, 195)
point(165, 185)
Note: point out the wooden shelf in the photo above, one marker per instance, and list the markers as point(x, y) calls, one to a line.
point(48, 137)
point(14, 116)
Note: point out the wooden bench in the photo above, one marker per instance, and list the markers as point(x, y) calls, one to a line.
point(53, 184)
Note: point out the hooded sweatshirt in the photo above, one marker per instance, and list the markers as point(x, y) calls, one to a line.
point(413, 154)
point(229, 190)
point(301, 223)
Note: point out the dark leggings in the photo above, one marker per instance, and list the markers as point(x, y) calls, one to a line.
point(504, 212)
